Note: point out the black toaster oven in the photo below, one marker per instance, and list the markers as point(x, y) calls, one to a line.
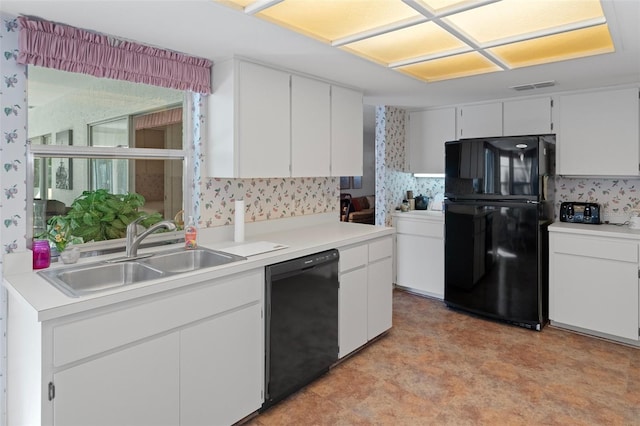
point(577, 212)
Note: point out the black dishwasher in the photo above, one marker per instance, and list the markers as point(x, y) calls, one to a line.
point(301, 322)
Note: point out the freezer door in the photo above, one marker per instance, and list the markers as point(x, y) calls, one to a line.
point(495, 260)
point(493, 168)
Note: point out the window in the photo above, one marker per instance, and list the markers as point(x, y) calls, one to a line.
point(91, 133)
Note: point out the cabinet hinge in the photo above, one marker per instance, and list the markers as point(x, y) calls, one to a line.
point(552, 126)
point(52, 391)
point(551, 103)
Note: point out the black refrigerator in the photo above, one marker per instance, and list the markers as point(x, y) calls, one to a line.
point(498, 204)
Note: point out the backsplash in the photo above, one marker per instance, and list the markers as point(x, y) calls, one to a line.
point(268, 198)
point(617, 196)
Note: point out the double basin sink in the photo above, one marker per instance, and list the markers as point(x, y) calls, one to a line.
point(82, 280)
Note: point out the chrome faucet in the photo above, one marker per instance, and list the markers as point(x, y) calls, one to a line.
point(134, 240)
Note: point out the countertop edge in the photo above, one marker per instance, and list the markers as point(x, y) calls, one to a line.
point(49, 303)
point(602, 230)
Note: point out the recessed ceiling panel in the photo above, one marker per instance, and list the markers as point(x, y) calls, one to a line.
point(512, 18)
point(439, 6)
point(570, 45)
point(236, 4)
point(454, 38)
point(412, 42)
point(330, 20)
point(462, 65)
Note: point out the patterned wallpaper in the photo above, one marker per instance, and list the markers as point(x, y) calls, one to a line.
point(267, 199)
point(13, 124)
point(616, 196)
point(391, 179)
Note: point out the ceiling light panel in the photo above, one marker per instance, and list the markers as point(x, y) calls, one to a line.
point(463, 65)
point(435, 40)
point(558, 47)
point(439, 7)
point(330, 20)
point(421, 40)
point(508, 19)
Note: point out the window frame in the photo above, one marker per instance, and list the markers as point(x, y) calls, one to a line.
point(91, 152)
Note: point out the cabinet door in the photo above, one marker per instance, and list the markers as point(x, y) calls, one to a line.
point(263, 122)
point(479, 121)
point(599, 133)
point(527, 117)
point(222, 368)
point(310, 127)
point(346, 132)
point(428, 131)
point(138, 385)
point(420, 264)
point(594, 285)
point(380, 297)
point(352, 313)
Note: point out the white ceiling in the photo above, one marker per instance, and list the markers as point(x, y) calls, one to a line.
point(204, 28)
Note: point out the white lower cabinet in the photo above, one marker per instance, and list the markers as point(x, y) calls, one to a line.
point(187, 357)
point(221, 368)
point(352, 312)
point(138, 385)
point(366, 293)
point(593, 285)
point(420, 253)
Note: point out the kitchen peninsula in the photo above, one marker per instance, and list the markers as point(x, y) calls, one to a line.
point(187, 349)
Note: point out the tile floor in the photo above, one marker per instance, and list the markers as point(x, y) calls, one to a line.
point(440, 367)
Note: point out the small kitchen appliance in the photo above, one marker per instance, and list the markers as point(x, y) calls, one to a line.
point(422, 202)
point(576, 212)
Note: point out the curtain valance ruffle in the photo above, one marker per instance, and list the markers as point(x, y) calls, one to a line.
point(66, 48)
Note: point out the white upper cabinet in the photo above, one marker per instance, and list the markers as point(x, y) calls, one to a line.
point(599, 133)
point(479, 121)
point(428, 131)
point(266, 122)
point(347, 130)
point(508, 118)
point(249, 127)
point(527, 117)
point(310, 127)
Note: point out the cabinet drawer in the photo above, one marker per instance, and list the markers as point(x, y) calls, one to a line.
point(90, 336)
point(353, 257)
point(420, 227)
point(380, 249)
point(599, 248)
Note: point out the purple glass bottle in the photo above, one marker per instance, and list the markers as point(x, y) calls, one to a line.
point(41, 254)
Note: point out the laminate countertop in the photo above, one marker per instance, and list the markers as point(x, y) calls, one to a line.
point(602, 230)
point(48, 302)
point(420, 214)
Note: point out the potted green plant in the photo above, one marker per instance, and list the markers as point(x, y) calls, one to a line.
point(97, 216)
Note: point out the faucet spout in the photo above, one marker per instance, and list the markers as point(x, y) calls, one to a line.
point(134, 240)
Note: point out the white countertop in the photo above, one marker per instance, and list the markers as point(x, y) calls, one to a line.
point(420, 214)
point(602, 230)
point(49, 302)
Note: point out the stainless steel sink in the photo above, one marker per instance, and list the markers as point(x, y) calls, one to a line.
point(177, 261)
point(81, 280)
point(78, 281)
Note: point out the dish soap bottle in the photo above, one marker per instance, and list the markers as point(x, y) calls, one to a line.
point(190, 235)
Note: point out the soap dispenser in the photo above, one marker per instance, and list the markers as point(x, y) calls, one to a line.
point(191, 234)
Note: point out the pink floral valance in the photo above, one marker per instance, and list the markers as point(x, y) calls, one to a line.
point(66, 48)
